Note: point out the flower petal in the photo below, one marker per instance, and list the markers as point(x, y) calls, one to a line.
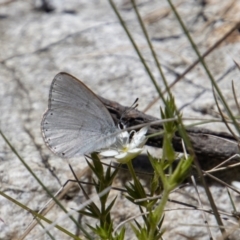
point(109, 153)
point(135, 150)
point(139, 138)
point(121, 155)
point(128, 156)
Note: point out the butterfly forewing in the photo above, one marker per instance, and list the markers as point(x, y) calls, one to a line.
point(76, 121)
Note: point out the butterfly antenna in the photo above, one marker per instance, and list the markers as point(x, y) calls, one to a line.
point(123, 124)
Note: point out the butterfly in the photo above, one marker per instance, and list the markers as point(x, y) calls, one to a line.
point(76, 121)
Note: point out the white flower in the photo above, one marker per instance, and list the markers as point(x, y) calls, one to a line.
point(125, 149)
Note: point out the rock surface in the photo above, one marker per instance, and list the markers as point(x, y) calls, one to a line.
point(85, 39)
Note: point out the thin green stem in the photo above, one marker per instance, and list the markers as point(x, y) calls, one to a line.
point(38, 215)
point(201, 59)
point(133, 174)
point(158, 213)
point(39, 181)
point(136, 49)
point(182, 130)
point(152, 49)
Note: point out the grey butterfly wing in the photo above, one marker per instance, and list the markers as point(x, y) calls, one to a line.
point(76, 122)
